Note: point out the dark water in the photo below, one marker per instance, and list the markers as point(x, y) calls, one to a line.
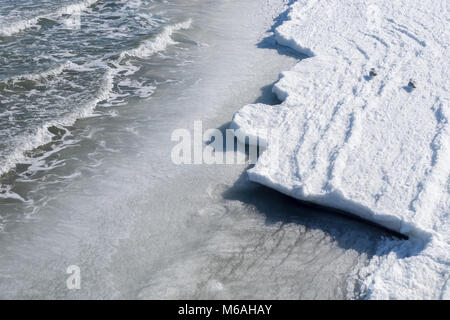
point(65, 60)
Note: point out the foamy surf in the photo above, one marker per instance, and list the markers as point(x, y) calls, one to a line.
point(158, 43)
point(72, 9)
point(42, 76)
point(42, 135)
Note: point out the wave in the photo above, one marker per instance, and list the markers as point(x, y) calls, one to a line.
point(53, 72)
point(42, 135)
point(72, 9)
point(157, 44)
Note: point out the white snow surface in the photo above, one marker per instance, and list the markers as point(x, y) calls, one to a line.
point(370, 146)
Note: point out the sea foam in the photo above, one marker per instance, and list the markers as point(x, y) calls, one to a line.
point(72, 9)
point(42, 135)
point(158, 43)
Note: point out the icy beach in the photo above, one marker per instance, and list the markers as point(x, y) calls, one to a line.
point(101, 193)
point(367, 144)
point(92, 91)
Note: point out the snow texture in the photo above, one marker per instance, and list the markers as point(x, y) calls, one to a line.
point(370, 145)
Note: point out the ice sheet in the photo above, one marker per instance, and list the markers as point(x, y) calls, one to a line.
point(372, 146)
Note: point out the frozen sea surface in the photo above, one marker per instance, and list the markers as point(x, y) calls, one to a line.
point(369, 145)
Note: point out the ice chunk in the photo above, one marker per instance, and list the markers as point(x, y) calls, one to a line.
point(372, 148)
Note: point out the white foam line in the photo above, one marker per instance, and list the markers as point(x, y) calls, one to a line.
point(157, 44)
point(76, 8)
point(53, 72)
point(43, 136)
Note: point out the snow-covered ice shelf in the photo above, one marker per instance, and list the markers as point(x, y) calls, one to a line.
point(372, 146)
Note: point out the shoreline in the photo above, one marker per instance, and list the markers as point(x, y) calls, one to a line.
point(140, 227)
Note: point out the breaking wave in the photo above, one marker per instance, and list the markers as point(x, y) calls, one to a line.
point(42, 135)
point(72, 9)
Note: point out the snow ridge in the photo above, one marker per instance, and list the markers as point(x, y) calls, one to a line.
point(371, 146)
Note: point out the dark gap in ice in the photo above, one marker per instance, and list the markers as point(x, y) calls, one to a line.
point(408, 89)
point(267, 96)
point(348, 230)
point(353, 217)
point(270, 42)
point(236, 144)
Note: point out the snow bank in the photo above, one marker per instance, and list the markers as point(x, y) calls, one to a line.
point(371, 146)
